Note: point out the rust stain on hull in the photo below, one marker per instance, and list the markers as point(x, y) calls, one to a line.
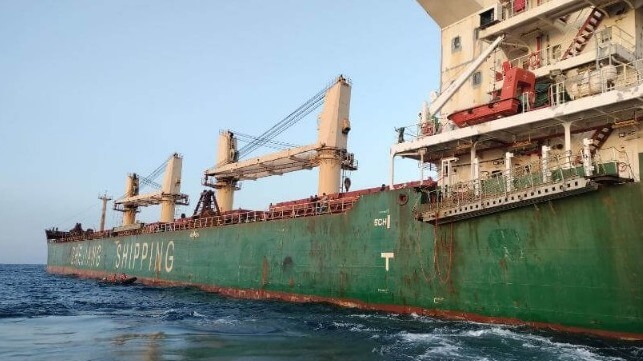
point(349, 303)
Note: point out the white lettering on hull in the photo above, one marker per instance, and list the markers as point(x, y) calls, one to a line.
point(83, 255)
point(383, 222)
point(387, 256)
point(157, 256)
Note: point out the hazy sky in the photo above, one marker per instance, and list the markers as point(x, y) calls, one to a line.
point(93, 90)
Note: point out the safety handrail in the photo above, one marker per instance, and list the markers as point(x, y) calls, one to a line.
point(304, 209)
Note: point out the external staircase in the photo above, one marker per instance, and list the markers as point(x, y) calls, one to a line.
point(600, 137)
point(585, 33)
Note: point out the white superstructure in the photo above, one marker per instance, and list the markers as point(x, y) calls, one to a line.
point(584, 109)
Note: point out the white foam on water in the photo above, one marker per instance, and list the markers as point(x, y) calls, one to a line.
point(578, 353)
point(362, 316)
point(196, 314)
point(475, 333)
point(377, 316)
point(226, 321)
point(446, 349)
point(558, 350)
point(354, 327)
point(418, 337)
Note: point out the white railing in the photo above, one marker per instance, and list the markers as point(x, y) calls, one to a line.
point(608, 41)
point(560, 169)
point(614, 35)
point(607, 78)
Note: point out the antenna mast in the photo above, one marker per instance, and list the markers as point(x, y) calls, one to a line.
point(105, 198)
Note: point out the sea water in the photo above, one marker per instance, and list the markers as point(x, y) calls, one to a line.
point(51, 317)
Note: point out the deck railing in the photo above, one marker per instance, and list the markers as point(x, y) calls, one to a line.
point(561, 168)
point(607, 41)
point(597, 82)
point(295, 210)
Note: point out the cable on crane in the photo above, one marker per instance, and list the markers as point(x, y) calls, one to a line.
point(274, 144)
point(291, 119)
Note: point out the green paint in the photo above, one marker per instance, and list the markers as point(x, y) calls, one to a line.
point(573, 261)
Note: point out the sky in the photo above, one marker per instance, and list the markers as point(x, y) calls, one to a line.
point(93, 90)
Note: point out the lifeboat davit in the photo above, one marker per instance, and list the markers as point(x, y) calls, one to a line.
point(516, 82)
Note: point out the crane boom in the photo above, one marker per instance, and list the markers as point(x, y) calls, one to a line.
point(444, 97)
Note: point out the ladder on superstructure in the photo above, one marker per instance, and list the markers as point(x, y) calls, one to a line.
point(585, 33)
point(600, 137)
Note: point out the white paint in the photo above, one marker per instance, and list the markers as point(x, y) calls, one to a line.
point(452, 88)
point(587, 157)
point(194, 234)
point(446, 174)
point(388, 221)
point(380, 222)
point(475, 170)
point(169, 257)
point(133, 256)
point(387, 256)
point(622, 97)
point(568, 144)
point(86, 255)
point(545, 163)
point(508, 170)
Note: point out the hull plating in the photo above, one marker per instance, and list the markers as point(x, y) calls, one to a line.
point(571, 264)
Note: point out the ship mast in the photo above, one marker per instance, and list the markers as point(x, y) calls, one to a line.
point(104, 198)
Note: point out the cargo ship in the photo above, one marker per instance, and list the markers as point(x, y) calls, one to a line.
point(527, 208)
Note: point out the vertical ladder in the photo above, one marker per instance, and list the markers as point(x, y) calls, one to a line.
point(585, 33)
point(600, 137)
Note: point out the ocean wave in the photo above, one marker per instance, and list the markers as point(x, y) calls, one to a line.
point(560, 350)
point(180, 314)
point(88, 318)
point(446, 349)
point(354, 327)
point(28, 310)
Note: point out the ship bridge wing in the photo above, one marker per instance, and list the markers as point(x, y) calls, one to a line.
point(445, 13)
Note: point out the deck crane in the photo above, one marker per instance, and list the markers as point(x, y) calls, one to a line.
point(329, 152)
point(415, 148)
point(168, 196)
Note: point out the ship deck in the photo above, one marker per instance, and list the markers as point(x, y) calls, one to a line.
point(622, 101)
point(307, 207)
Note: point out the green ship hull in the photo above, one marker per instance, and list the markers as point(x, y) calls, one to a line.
point(571, 264)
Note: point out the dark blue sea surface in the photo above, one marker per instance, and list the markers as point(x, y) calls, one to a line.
point(49, 317)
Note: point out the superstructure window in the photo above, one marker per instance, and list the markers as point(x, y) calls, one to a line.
point(456, 44)
point(555, 52)
point(476, 78)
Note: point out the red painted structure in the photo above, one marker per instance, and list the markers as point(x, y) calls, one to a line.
point(516, 82)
